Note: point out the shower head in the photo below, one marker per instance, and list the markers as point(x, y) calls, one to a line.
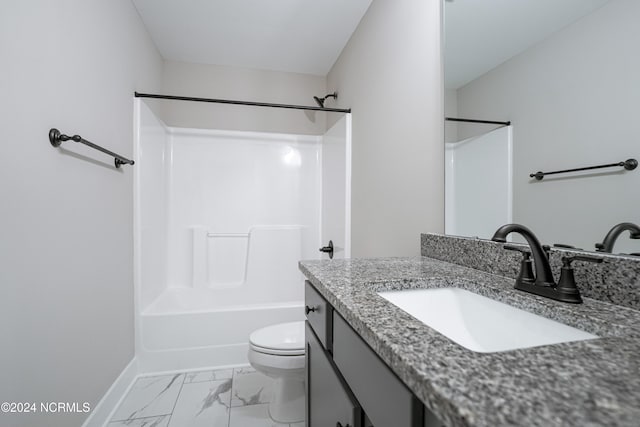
point(320, 101)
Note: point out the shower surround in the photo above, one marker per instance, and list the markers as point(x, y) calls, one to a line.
point(222, 218)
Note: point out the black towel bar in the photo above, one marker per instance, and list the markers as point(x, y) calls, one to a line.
point(56, 138)
point(629, 164)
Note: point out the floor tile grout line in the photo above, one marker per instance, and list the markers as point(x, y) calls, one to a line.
point(209, 379)
point(233, 377)
point(177, 397)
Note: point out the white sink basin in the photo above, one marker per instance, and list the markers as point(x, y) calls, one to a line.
point(479, 323)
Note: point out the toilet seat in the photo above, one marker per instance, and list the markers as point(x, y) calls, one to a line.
point(276, 352)
point(284, 339)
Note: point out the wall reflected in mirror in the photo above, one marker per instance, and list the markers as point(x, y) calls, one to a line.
point(566, 73)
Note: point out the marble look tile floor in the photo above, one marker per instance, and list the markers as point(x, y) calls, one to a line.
point(236, 397)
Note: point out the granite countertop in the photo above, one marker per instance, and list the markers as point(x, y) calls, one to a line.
point(585, 383)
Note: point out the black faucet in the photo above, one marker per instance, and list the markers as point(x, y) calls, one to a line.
point(543, 284)
point(544, 277)
point(612, 235)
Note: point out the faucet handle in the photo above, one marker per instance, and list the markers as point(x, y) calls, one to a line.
point(526, 265)
point(567, 260)
point(567, 283)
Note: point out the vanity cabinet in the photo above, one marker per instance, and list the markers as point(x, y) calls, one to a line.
point(346, 380)
point(332, 402)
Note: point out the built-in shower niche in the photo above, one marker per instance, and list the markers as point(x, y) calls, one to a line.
point(262, 257)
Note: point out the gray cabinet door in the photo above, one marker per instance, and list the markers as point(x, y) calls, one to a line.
point(329, 400)
point(385, 399)
point(318, 314)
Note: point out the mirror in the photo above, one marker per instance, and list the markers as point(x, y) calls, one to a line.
point(566, 74)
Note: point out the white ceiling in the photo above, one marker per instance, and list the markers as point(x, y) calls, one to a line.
point(302, 36)
point(480, 35)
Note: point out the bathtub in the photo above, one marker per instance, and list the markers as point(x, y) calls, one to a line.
point(183, 329)
point(238, 283)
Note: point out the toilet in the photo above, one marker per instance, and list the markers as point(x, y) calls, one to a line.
point(278, 352)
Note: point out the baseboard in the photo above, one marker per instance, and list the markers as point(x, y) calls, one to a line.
point(102, 412)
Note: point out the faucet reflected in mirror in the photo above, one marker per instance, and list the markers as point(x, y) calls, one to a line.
point(543, 284)
point(612, 235)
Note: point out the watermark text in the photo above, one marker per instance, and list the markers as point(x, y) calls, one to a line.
point(45, 407)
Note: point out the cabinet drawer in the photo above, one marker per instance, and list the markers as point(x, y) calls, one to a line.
point(318, 314)
point(384, 398)
point(329, 400)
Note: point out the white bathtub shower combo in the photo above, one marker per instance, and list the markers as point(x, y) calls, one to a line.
point(221, 220)
point(479, 184)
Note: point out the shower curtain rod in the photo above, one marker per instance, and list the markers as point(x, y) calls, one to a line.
point(231, 101)
point(489, 122)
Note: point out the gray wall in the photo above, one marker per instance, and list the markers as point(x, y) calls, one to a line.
point(245, 84)
point(390, 74)
point(66, 244)
point(573, 100)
